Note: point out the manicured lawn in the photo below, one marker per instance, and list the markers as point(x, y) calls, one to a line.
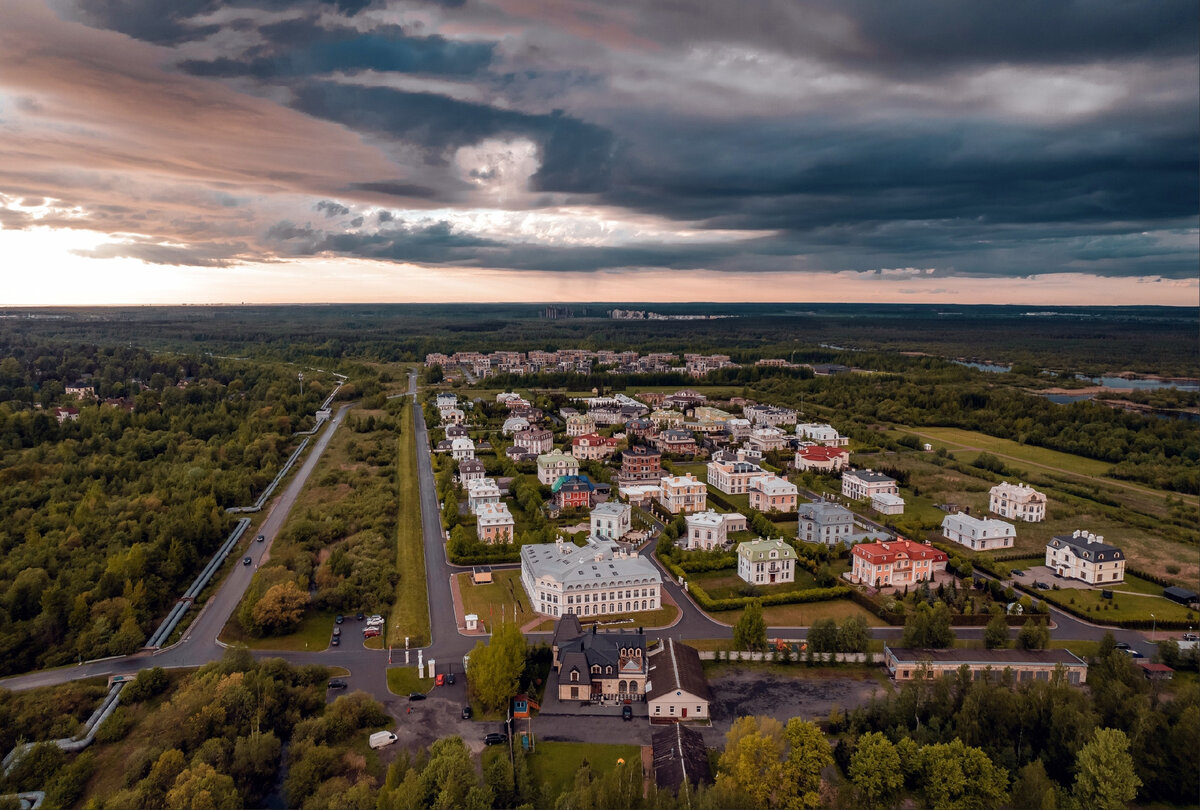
point(313, 634)
point(725, 583)
point(497, 599)
point(410, 612)
point(404, 681)
point(1121, 606)
point(1135, 584)
point(553, 764)
point(804, 615)
point(644, 618)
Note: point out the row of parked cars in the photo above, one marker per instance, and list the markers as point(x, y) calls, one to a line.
point(372, 628)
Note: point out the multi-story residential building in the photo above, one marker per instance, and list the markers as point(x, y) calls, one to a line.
point(1018, 502)
point(679, 442)
point(683, 494)
point(824, 522)
point(766, 439)
point(579, 424)
point(453, 416)
point(66, 415)
point(573, 492)
point(611, 520)
point(462, 448)
point(978, 534)
point(641, 427)
point(739, 428)
point(640, 464)
point(481, 491)
point(445, 400)
point(821, 458)
point(708, 530)
point(769, 415)
point(770, 493)
point(592, 446)
point(601, 668)
point(821, 434)
point(456, 431)
point(862, 484)
point(1083, 555)
point(766, 561)
point(552, 466)
point(664, 420)
point(598, 579)
point(895, 563)
point(706, 415)
point(535, 440)
point(1025, 665)
point(641, 494)
point(687, 398)
point(732, 476)
point(471, 469)
point(494, 523)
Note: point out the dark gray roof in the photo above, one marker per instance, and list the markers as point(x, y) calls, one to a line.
point(995, 658)
point(679, 755)
point(870, 475)
point(567, 628)
point(677, 667)
point(1088, 551)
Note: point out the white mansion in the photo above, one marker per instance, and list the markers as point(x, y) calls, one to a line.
point(597, 579)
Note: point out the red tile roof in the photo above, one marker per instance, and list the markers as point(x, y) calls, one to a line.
point(888, 551)
point(821, 453)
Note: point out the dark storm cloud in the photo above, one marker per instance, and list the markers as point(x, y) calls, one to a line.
point(304, 46)
point(197, 255)
point(576, 156)
point(434, 243)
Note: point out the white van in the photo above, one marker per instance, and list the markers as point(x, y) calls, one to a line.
point(381, 738)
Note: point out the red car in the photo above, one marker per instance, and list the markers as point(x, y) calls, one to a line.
point(439, 680)
point(371, 632)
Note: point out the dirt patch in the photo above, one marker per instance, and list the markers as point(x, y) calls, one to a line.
point(431, 720)
point(810, 696)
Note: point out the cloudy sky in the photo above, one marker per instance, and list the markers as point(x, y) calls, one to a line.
point(614, 150)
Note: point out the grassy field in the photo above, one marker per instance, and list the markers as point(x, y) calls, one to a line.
point(957, 438)
point(1121, 606)
point(553, 764)
point(404, 681)
point(804, 615)
point(499, 598)
point(410, 612)
point(314, 633)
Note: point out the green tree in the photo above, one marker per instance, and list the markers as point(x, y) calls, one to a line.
point(750, 632)
point(1033, 789)
point(201, 787)
point(1033, 635)
point(823, 635)
point(281, 607)
point(995, 635)
point(875, 769)
point(928, 627)
point(752, 763)
point(808, 754)
point(1104, 773)
point(495, 669)
point(955, 776)
point(854, 636)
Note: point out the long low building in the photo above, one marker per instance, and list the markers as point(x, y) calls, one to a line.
point(904, 664)
point(598, 579)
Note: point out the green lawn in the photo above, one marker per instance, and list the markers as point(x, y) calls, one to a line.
point(726, 584)
point(1122, 606)
point(314, 633)
point(404, 681)
point(553, 764)
point(804, 615)
point(499, 598)
point(644, 618)
point(957, 438)
point(410, 612)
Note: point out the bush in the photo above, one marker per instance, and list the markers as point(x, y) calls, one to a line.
point(147, 684)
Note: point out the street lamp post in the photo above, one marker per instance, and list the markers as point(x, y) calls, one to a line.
point(1153, 627)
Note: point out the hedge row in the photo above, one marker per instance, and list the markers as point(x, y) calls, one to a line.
point(956, 619)
point(789, 598)
point(715, 564)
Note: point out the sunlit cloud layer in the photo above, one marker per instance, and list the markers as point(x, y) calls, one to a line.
point(225, 150)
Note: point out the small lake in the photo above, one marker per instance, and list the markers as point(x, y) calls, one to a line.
point(1139, 384)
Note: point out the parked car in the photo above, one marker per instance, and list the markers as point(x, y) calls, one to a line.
point(1122, 645)
point(371, 632)
point(335, 642)
point(1191, 637)
point(338, 619)
point(495, 738)
point(416, 696)
point(261, 538)
point(381, 738)
point(361, 616)
point(466, 713)
point(1134, 654)
point(626, 712)
point(1017, 572)
point(337, 683)
point(440, 680)
point(374, 621)
point(1041, 586)
point(337, 631)
point(246, 560)
point(450, 678)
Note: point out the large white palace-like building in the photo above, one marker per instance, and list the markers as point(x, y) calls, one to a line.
point(598, 579)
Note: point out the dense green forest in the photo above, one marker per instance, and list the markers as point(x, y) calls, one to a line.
point(1079, 339)
point(106, 517)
